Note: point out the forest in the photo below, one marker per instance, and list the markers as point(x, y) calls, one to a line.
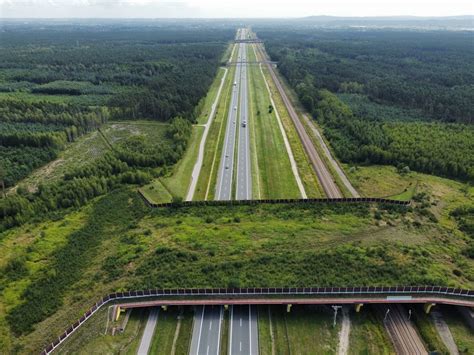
point(386, 96)
point(58, 83)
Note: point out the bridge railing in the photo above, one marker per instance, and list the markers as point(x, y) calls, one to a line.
point(440, 291)
point(364, 200)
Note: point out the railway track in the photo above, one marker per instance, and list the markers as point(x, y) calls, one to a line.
point(402, 332)
point(324, 176)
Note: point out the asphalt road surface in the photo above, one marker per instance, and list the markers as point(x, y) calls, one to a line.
point(206, 331)
point(243, 333)
point(238, 113)
point(226, 168)
point(244, 178)
point(148, 332)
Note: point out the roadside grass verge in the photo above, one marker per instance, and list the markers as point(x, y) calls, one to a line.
point(162, 341)
point(177, 183)
point(264, 333)
point(186, 329)
point(460, 330)
point(225, 342)
point(90, 337)
point(368, 335)
point(305, 330)
point(156, 192)
point(427, 330)
point(204, 107)
point(206, 184)
point(308, 176)
point(275, 178)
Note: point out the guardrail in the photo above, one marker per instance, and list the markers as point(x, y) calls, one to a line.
point(275, 201)
point(440, 291)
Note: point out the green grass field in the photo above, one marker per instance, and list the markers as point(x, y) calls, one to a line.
point(304, 330)
point(460, 330)
point(165, 330)
point(265, 330)
point(272, 173)
point(368, 335)
point(428, 332)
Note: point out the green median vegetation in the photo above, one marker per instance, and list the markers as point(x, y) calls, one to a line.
point(273, 169)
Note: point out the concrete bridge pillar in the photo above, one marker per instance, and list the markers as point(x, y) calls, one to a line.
point(164, 307)
point(427, 307)
point(288, 308)
point(226, 307)
point(358, 306)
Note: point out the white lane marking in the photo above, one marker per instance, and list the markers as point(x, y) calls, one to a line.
point(231, 323)
point(207, 350)
point(240, 321)
point(200, 329)
point(240, 347)
point(250, 330)
point(210, 324)
point(219, 335)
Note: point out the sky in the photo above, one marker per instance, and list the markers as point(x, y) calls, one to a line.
point(225, 8)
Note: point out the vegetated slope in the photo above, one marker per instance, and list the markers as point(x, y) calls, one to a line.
point(119, 244)
point(385, 79)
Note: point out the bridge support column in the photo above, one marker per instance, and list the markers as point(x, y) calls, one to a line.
point(164, 307)
point(226, 307)
point(288, 308)
point(427, 307)
point(118, 310)
point(358, 306)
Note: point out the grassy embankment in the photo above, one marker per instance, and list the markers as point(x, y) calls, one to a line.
point(304, 330)
point(271, 169)
point(460, 330)
point(368, 335)
point(213, 150)
point(308, 176)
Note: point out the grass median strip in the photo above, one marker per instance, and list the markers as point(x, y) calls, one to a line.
point(275, 176)
point(308, 176)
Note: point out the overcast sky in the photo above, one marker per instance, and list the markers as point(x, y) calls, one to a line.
point(226, 8)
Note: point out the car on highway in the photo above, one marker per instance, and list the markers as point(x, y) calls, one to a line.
point(244, 123)
point(235, 108)
point(235, 83)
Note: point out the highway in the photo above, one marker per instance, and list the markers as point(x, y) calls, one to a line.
point(244, 177)
point(243, 333)
point(206, 331)
point(237, 128)
point(148, 332)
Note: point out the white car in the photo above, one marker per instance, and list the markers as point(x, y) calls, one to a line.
point(244, 123)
